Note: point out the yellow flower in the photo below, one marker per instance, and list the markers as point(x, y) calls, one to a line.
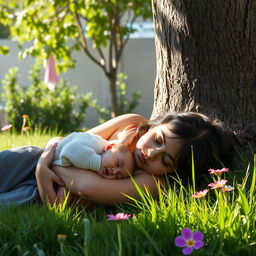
point(62, 237)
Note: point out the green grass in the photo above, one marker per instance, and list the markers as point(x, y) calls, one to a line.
point(226, 220)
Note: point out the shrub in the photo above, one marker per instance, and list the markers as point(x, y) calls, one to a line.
point(62, 108)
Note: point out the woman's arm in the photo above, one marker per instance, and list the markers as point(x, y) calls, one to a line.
point(46, 177)
point(110, 129)
point(93, 187)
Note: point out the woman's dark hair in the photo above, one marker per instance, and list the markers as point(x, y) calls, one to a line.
point(210, 141)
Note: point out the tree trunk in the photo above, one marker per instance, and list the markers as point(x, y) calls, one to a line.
point(206, 58)
point(113, 93)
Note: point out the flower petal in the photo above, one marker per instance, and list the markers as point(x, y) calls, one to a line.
point(187, 250)
point(111, 217)
point(119, 216)
point(224, 170)
point(6, 127)
point(187, 233)
point(198, 244)
point(198, 235)
point(180, 241)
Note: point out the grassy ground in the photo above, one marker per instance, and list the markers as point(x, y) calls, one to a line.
point(227, 221)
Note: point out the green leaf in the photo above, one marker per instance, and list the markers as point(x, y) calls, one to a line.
point(4, 50)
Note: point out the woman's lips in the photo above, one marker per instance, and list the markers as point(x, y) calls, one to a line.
point(141, 157)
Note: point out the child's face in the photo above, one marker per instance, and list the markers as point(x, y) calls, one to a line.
point(117, 163)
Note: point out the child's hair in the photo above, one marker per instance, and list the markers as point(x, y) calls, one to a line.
point(210, 141)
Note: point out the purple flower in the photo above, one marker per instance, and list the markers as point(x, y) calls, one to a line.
point(119, 216)
point(189, 240)
point(6, 127)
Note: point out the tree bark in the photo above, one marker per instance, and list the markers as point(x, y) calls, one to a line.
point(206, 58)
point(113, 93)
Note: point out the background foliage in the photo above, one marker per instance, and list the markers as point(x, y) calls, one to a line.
point(60, 27)
point(61, 109)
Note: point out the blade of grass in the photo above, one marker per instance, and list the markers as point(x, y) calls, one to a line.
point(193, 170)
point(150, 240)
point(252, 188)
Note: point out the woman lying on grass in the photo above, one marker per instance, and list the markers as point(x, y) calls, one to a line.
point(160, 147)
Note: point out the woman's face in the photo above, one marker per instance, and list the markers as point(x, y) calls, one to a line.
point(156, 150)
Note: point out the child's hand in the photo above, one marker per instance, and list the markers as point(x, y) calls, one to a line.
point(127, 136)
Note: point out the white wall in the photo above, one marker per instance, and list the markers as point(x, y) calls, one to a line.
point(138, 63)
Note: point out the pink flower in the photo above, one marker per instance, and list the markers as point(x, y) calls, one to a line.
point(189, 240)
point(227, 188)
point(6, 127)
point(218, 184)
point(218, 171)
point(119, 216)
point(200, 194)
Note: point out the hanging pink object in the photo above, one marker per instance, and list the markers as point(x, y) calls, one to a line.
point(50, 77)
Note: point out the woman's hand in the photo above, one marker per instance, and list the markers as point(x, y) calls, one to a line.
point(46, 178)
point(127, 136)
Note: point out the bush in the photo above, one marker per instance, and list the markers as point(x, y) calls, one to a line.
point(62, 109)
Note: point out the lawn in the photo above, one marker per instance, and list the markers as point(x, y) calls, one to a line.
point(226, 219)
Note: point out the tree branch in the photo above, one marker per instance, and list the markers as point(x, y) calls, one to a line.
point(125, 41)
point(115, 34)
point(84, 46)
point(102, 55)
